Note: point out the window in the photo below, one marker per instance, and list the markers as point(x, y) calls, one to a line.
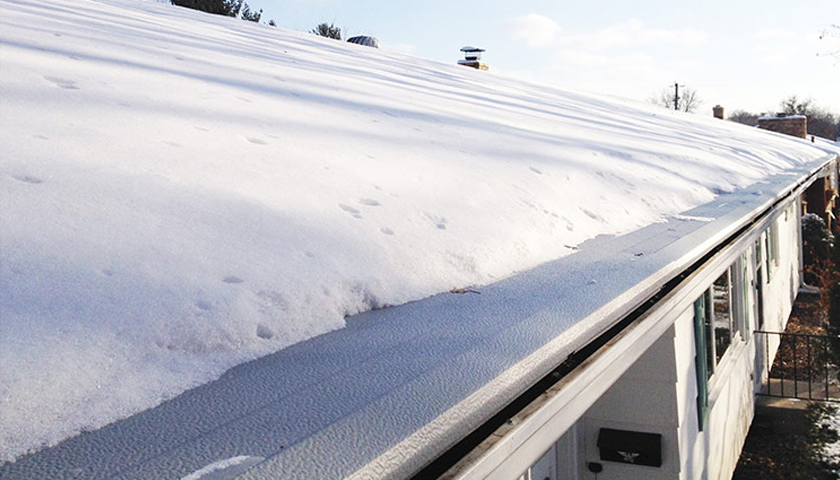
point(720, 321)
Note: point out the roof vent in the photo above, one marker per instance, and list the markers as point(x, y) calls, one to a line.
point(364, 40)
point(472, 58)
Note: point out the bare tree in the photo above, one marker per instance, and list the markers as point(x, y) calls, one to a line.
point(329, 31)
point(685, 99)
point(744, 117)
point(793, 105)
point(831, 35)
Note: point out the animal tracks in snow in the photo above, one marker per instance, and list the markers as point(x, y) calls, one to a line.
point(354, 212)
point(27, 179)
point(439, 222)
point(62, 82)
point(204, 305)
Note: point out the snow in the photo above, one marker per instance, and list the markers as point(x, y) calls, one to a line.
point(829, 452)
point(181, 193)
point(780, 117)
point(224, 469)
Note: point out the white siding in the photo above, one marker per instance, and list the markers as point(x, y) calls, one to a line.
point(644, 399)
point(713, 453)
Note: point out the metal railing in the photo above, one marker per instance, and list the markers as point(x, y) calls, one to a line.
point(802, 365)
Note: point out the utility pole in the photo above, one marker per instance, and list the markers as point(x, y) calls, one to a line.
point(676, 96)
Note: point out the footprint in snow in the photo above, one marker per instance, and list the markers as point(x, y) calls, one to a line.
point(204, 305)
point(352, 211)
point(264, 332)
point(592, 215)
point(232, 279)
point(369, 202)
point(62, 82)
point(439, 222)
point(386, 231)
point(535, 170)
point(257, 141)
point(27, 179)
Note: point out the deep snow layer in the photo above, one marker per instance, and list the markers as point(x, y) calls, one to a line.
point(181, 192)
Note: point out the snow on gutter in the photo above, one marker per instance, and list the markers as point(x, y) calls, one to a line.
point(509, 451)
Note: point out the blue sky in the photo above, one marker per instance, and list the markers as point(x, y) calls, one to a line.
point(740, 54)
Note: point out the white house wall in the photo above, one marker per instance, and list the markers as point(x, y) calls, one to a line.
point(713, 453)
point(658, 393)
point(644, 400)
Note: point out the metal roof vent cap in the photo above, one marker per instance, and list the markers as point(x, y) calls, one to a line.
point(364, 40)
point(472, 58)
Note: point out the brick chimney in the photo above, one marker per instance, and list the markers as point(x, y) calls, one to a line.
point(794, 125)
point(717, 110)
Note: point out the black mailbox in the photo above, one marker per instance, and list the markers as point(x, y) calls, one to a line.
point(637, 448)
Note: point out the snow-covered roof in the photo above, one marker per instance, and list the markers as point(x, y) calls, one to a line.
point(181, 193)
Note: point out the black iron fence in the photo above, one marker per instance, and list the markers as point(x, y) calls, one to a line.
point(803, 365)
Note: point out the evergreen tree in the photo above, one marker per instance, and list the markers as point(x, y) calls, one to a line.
point(329, 31)
point(249, 15)
point(228, 8)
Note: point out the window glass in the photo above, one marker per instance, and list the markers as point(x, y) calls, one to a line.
point(722, 308)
